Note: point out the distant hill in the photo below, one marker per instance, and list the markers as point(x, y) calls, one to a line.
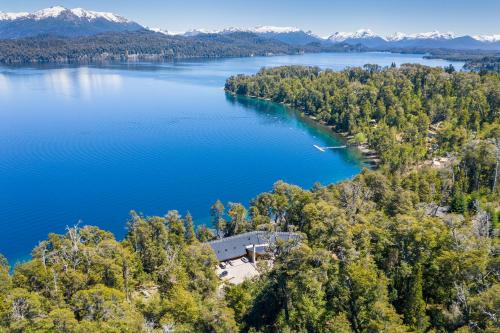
point(60, 21)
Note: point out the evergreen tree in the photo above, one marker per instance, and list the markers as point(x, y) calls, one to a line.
point(189, 227)
point(217, 218)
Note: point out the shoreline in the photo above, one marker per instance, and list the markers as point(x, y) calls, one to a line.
point(105, 58)
point(369, 156)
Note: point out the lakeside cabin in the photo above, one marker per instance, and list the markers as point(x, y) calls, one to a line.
point(250, 244)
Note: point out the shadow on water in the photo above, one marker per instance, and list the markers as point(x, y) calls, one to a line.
point(271, 112)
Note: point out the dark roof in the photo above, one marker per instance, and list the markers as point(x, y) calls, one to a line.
point(235, 246)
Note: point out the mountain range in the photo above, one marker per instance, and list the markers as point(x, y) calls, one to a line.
point(368, 38)
point(63, 22)
point(77, 22)
point(434, 39)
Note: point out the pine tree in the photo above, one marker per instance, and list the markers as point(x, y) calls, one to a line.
point(217, 218)
point(189, 226)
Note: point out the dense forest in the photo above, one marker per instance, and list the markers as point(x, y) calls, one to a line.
point(147, 45)
point(475, 60)
point(409, 247)
point(484, 64)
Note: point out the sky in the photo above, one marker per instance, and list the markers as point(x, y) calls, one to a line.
point(323, 17)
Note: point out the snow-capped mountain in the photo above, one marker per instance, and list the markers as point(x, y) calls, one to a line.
point(433, 39)
point(290, 35)
point(360, 34)
point(434, 35)
point(368, 38)
point(397, 36)
point(196, 32)
point(62, 21)
point(74, 22)
point(368, 34)
point(165, 32)
point(273, 29)
point(257, 30)
point(365, 37)
point(12, 16)
point(487, 38)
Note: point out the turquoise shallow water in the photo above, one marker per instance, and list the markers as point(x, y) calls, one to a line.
point(90, 143)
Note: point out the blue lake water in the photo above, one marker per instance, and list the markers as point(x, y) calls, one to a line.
point(91, 143)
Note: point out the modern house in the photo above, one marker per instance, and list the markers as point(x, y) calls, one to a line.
point(250, 244)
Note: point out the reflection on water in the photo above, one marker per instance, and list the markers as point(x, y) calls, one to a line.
point(90, 82)
point(4, 84)
point(70, 82)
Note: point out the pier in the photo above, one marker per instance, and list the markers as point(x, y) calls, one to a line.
point(323, 149)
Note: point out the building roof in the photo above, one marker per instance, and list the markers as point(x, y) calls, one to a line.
point(235, 246)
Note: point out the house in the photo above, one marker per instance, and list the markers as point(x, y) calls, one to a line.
point(237, 254)
point(250, 244)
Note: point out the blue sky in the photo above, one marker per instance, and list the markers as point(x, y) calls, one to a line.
point(321, 16)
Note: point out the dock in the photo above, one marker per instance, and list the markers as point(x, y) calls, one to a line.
point(323, 149)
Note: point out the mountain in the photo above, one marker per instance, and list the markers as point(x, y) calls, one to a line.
point(78, 22)
point(364, 37)
point(63, 22)
point(367, 38)
point(487, 38)
point(289, 35)
point(293, 37)
point(426, 40)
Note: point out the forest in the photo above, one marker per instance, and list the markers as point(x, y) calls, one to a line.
point(476, 60)
point(409, 246)
point(149, 45)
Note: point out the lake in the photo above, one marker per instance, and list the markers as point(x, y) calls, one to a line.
point(91, 143)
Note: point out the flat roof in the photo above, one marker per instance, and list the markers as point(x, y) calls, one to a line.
point(235, 246)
